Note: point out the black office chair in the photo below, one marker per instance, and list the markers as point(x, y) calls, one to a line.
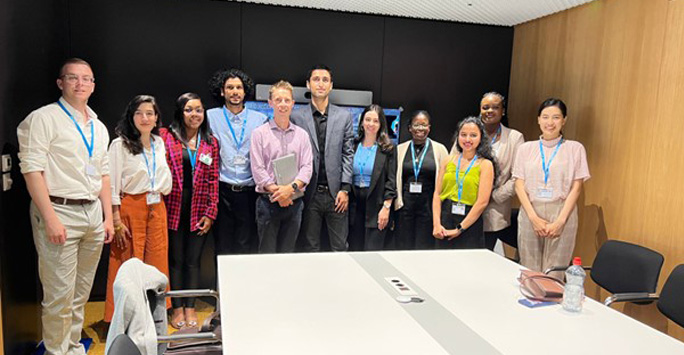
point(621, 267)
point(123, 345)
point(670, 300)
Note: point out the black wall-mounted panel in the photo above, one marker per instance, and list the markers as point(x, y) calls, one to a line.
point(283, 43)
point(443, 68)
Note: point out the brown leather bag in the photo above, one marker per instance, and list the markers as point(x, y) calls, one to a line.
point(540, 287)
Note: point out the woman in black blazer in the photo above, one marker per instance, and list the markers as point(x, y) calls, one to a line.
point(373, 188)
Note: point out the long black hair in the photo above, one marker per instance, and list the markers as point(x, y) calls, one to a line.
point(126, 129)
point(383, 137)
point(177, 126)
point(484, 149)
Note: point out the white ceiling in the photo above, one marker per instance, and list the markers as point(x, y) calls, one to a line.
point(489, 12)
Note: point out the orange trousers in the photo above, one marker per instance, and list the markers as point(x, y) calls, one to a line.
point(150, 242)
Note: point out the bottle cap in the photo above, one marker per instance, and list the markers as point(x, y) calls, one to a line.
point(577, 261)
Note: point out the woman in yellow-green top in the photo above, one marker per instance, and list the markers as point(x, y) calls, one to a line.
point(463, 188)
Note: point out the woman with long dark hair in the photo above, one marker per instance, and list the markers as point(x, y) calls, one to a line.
point(139, 176)
point(463, 189)
point(549, 174)
point(417, 172)
point(192, 153)
point(373, 187)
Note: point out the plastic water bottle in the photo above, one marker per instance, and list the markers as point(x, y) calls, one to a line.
point(573, 295)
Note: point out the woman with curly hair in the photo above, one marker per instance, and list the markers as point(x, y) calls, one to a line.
point(465, 182)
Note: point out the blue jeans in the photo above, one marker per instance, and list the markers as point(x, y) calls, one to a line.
point(277, 226)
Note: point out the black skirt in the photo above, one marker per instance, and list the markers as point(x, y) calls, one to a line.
point(471, 238)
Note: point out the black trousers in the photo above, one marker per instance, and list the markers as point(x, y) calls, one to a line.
point(235, 231)
point(321, 208)
point(278, 226)
point(185, 251)
point(361, 237)
point(471, 238)
point(414, 222)
point(507, 235)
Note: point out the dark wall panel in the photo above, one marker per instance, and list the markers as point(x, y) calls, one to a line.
point(158, 47)
point(443, 68)
point(34, 40)
point(283, 43)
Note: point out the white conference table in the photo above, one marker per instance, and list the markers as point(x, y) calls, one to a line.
point(341, 303)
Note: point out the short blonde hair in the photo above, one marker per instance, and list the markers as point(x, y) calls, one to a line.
point(282, 84)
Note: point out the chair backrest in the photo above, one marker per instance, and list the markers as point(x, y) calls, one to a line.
point(622, 267)
point(671, 302)
point(123, 345)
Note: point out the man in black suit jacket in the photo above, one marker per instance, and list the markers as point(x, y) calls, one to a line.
point(330, 129)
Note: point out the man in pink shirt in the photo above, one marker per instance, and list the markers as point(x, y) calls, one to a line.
point(278, 211)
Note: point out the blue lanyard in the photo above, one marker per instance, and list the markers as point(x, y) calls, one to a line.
point(416, 169)
point(92, 131)
point(193, 157)
point(367, 152)
point(458, 172)
point(498, 133)
point(238, 143)
point(545, 165)
point(154, 163)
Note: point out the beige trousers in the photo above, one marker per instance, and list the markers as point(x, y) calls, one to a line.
point(67, 272)
point(538, 253)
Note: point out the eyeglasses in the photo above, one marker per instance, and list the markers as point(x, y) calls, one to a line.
point(73, 79)
point(420, 126)
point(188, 111)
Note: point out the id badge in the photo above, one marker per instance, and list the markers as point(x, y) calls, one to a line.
point(545, 193)
point(153, 198)
point(415, 187)
point(458, 208)
point(239, 160)
point(205, 159)
point(90, 170)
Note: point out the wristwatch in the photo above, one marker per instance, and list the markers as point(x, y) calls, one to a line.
point(386, 205)
point(460, 228)
point(295, 187)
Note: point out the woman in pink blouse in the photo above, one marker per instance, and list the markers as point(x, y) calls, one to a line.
point(549, 173)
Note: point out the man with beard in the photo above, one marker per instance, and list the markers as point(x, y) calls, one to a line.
point(330, 130)
point(232, 124)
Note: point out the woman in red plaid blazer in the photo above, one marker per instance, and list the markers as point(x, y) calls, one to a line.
point(192, 154)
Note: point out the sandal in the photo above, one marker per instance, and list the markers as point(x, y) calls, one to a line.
point(191, 317)
point(177, 319)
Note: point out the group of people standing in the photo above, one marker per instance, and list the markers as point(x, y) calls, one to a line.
point(162, 189)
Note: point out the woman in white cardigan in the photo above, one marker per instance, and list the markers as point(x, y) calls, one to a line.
point(417, 170)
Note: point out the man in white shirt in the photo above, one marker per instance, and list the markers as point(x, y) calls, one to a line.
point(63, 157)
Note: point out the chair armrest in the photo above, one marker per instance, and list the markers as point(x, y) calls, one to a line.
point(630, 297)
point(194, 293)
point(563, 268)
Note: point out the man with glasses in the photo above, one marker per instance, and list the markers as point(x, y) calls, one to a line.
point(63, 153)
point(233, 124)
point(330, 129)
